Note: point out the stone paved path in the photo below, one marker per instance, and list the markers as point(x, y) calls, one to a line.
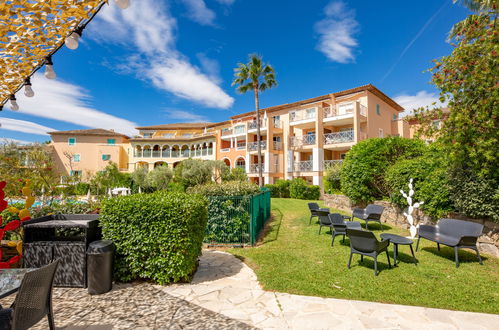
point(225, 285)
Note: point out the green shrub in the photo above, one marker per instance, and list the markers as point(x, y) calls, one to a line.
point(476, 197)
point(175, 187)
point(235, 174)
point(229, 219)
point(158, 236)
point(68, 207)
point(431, 182)
point(364, 167)
point(274, 190)
point(159, 177)
point(298, 188)
point(332, 182)
point(81, 188)
point(279, 189)
point(231, 188)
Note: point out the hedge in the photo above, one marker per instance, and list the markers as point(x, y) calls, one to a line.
point(296, 188)
point(230, 188)
point(365, 165)
point(158, 236)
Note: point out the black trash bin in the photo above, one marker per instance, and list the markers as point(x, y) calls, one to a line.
point(100, 266)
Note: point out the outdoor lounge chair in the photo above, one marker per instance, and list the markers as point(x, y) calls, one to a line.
point(324, 220)
point(314, 207)
point(370, 213)
point(365, 243)
point(34, 299)
point(340, 225)
point(458, 234)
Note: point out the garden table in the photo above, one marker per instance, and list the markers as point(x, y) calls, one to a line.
point(10, 280)
point(396, 240)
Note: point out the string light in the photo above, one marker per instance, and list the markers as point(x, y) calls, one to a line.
point(28, 91)
point(13, 103)
point(49, 68)
point(123, 4)
point(72, 41)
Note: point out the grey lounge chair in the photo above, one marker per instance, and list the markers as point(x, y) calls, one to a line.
point(324, 220)
point(365, 243)
point(34, 299)
point(314, 207)
point(340, 225)
point(371, 213)
point(458, 234)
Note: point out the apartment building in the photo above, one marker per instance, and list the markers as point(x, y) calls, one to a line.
point(85, 151)
point(300, 139)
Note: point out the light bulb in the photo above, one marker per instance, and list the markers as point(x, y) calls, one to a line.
point(72, 41)
point(49, 71)
point(28, 91)
point(123, 4)
point(13, 103)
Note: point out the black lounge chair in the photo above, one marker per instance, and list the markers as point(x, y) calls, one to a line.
point(324, 220)
point(314, 207)
point(365, 243)
point(371, 213)
point(458, 234)
point(34, 299)
point(340, 225)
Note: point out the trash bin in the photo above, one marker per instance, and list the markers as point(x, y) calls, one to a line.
point(100, 266)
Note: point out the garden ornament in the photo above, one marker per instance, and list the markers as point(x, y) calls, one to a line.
point(413, 229)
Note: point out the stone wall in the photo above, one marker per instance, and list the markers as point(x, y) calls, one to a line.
point(487, 243)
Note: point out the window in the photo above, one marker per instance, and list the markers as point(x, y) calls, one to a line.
point(169, 135)
point(72, 141)
point(75, 173)
point(106, 157)
point(239, 129)
point(378, 110)
point(187, 135)
point(111, 142)
point(394, 117)
point(147, 135)
point(76, 158)
point(381, 133)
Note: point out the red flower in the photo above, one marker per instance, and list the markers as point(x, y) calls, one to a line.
point(13, 225)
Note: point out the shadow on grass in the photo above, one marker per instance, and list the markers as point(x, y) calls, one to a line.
point(270, 232)
point(369, 262)
point(465, 256)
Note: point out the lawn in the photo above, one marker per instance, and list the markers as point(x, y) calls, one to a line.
point(293, 258)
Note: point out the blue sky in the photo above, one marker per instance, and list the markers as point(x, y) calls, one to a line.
point(172, 61)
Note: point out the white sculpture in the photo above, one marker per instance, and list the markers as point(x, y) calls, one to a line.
point(413, 229)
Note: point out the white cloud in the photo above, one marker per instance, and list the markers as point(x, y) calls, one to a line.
point(421, 99)
point(186, 116)
point(148, 27)
point(59, 100)
point(23, 126)
point(336, 32)
point(16, 141)
point(226, 2)
point(198, 12)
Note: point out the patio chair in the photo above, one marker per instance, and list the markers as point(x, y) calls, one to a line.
point(314, 207)
point(340, 225)
point(34, 298)
point(324, 220)
point(365, 243)
point(458, 234)
point(371, 213)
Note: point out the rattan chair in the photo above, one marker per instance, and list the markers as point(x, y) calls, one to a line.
point(34, 298)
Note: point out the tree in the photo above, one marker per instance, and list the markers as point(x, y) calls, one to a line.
point(467, 80)
point(255, 76)
point(194, 172)
point(160, 177)
point(110, 177)
point(139, 177)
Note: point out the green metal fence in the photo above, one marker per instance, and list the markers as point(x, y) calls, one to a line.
point(237, 220)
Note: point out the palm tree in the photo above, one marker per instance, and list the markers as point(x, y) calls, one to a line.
point(258, 77)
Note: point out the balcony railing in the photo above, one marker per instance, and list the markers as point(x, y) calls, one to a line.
point(302, 114)
point(333, 164)
point(252, 124)
point(227, 132)
point(156, 153)
point(339, 137)
point(253, 146)
point(363, 110)
point(225, 150)
point(277, 123)
point(255, 168)
point(277, 145)
point(303, 166)
point(329, 112)
point(146, 153)
point(305, 140)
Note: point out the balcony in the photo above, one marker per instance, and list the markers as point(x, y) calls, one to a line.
point(333, 164)
point(253, 146)
point(252, 124)
point(241, 146)
point(276, 145)
point(305, 114)
point(300, 141)
point(255, 168)
point(339, 137)
point(228, 131)
point(303, 166)
point(277, 123)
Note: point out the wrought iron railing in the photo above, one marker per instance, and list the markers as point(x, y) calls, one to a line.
point(339, 137)
point(330, 111)
point(277, 145)
point(303, 166)
point(253, 146)
point(252, 124)
point(334, 163)
point(305, 140)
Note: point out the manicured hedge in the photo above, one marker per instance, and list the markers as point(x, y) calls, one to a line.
point(296, 188)
point(158, 236)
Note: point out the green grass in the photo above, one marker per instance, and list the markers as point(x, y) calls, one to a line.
point(293, 258)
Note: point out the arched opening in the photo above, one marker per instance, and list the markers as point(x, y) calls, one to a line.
point(185, 151)
point(226, 161)
point(146, 152)
point(137, 151)
point(192, 150)
point(156, 151)
point(241, 163)
point(141, 165)
point(175, 164)
point(160, 164)
point(166, 153)
point(204, 150)
point(175, 151)
point(210, 148)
